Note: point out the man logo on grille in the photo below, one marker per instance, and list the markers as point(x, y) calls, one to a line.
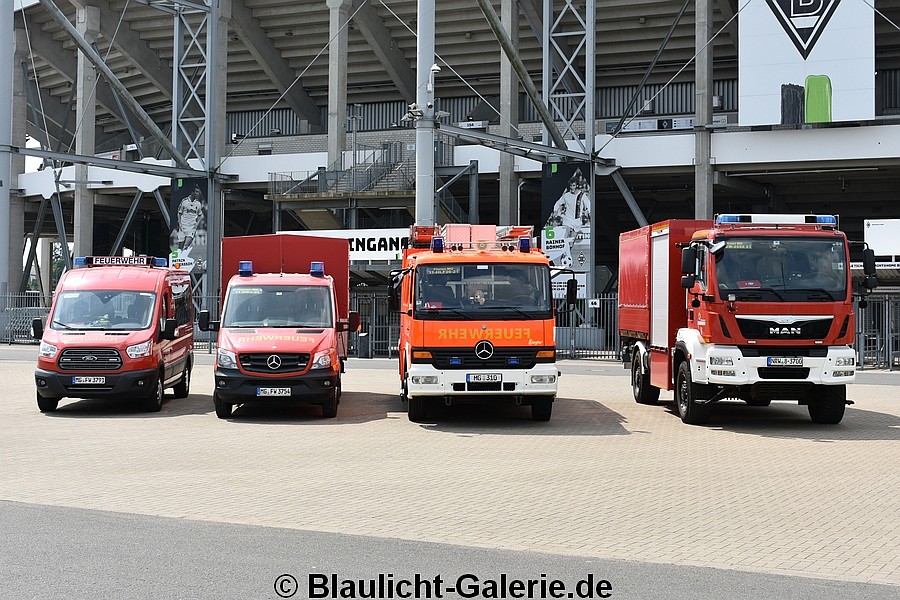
point(803, 20)
point(484, 350)
point(273, 362)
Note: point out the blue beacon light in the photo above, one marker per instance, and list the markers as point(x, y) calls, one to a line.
point(317, 268)
point(245, 268)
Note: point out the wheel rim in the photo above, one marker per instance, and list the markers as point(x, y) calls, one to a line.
point(187, 381)
point(636, 376)
point(682, 395)
point(159, 392)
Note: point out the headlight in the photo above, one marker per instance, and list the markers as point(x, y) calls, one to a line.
point(721, 361)
point(845, 361)
point(322, 360)
point(543, 379)
point(424, 379)
point(139, 350)
point(47, 350)
point(226, 359)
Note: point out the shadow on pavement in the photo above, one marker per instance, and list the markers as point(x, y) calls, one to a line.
point(130, 407)
point(790, 420)
point(570, 417)
point(355, 407)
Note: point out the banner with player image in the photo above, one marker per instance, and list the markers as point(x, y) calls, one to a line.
point(187, 242)
point(566, 213)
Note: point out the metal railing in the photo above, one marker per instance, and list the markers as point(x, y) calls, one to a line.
point(588, 332)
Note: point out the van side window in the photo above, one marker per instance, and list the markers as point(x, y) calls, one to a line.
point(184, 310)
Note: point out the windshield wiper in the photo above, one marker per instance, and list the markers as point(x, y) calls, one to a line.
point(773, 290)
point(515, 308)
point(65, 326)
point(816, 293)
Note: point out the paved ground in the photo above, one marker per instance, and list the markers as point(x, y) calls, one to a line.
point(759, 489)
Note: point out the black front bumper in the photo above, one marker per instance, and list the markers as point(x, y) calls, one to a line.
point(127, 384)
point(235, 387)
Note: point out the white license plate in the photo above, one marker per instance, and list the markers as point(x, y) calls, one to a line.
point(88, 380)
point(785, 361)
point(484, 377)
point(273, 391)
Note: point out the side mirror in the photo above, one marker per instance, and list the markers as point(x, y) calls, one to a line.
point(354, 320)
point(571, 292)
point(203, 320)
point(37, 328)
point(394, 291)
point(871, 282)
point(869, 262)
point(688, 260)
point(687, 281)
point(168, 330)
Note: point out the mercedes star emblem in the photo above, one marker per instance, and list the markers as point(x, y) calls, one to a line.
point(273, 362)
point(484, 349)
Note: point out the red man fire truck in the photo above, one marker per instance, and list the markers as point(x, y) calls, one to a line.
point(753, 307)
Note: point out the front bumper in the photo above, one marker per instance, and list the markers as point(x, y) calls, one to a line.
point(745, 370)
point(514, 382)
point(236, 387)
point(127, 384)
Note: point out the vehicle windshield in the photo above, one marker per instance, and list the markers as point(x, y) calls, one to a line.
point(783, 269)
point(501, 291)
point(103, 309)
point(278, 306)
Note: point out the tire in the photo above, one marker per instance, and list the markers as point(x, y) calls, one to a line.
point(154, 402)
point(542, 408)
point(47, 404)
point(764, 402)
point(416, 409)
point(686, 394)
point(182, 389)
point(223, 409)
point(330, 405)
point(644, 393)
point(827, 407)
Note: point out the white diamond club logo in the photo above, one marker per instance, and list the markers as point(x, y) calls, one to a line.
point(803, 20)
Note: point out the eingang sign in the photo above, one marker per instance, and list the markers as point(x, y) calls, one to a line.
point(367, 244)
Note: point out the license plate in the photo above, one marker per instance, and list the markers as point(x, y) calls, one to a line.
point(273, 391)
point(88, 380)
point(484, 377)
point(785, 361)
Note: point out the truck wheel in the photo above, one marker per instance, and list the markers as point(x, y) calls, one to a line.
point(182, 389)
point(542, 408)
point(223, 409)
point(828, 407)
point(686, 394)
point(330, 405)
point(154, 402)
point(416, 409)
point(47, 404)
point(644, 393)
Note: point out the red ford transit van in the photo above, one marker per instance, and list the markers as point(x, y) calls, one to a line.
point(120, 327)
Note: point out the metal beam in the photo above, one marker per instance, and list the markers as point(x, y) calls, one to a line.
point(65, 64)
point(538, 152)
point(113, 81)
point(524, 77)
point(380, 41)
point(269, 58)
point(134, 49)
point(119, 165)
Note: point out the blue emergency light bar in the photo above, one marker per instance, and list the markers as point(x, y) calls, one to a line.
point(524, 244)
point(317, 268)
point(775, 219)
point(120, 261)
point(437, 245)
point(245, 268)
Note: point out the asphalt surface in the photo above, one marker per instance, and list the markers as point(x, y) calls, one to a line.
point(75, 554)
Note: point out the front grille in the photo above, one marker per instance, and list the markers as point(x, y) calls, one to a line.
point(90, 359)
point(755, 351)
point(464, 358)
point(770, 330)
point(783, 372)
point(259, 362)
